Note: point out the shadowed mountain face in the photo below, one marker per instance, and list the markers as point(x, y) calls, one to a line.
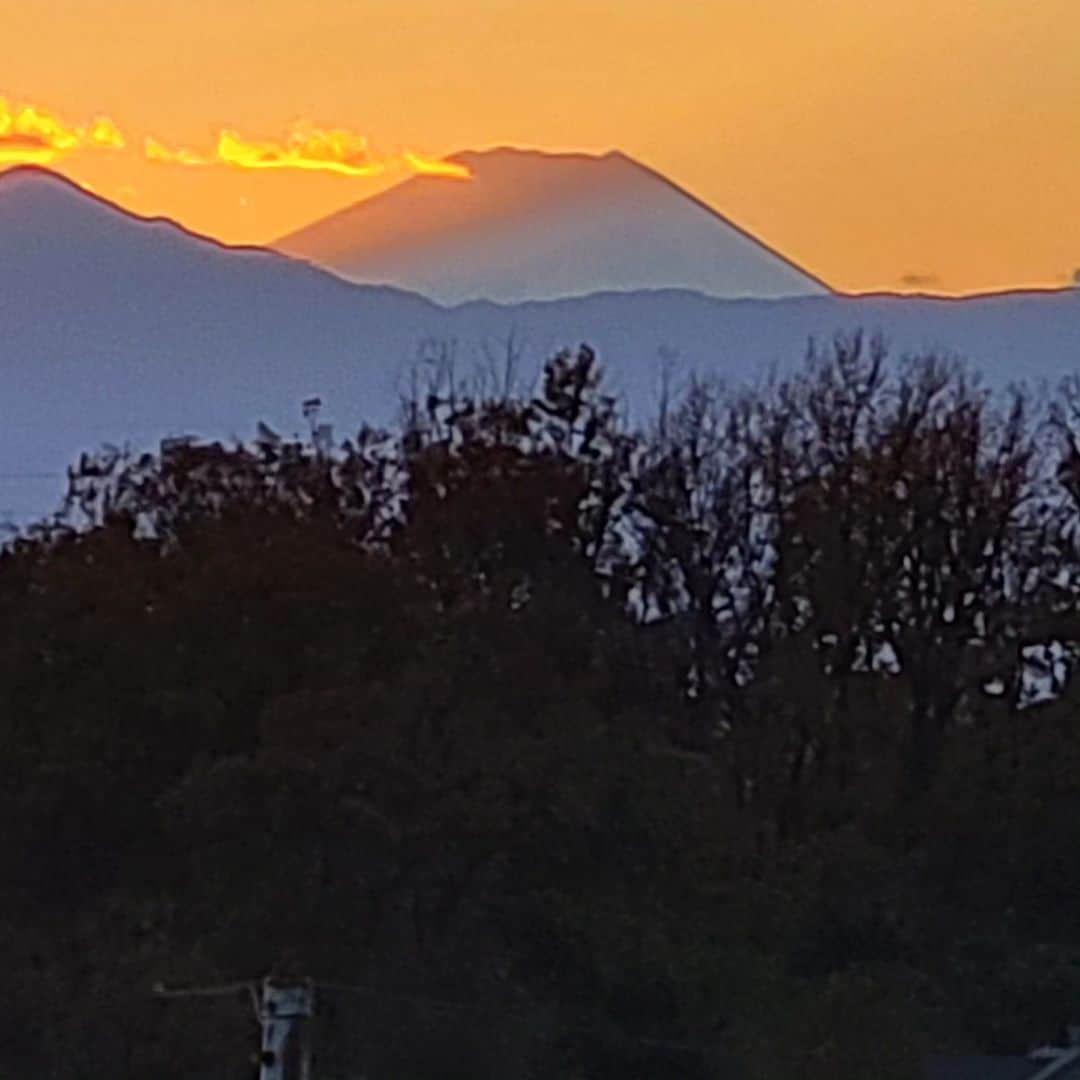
point(536, 226)
point(114, 328)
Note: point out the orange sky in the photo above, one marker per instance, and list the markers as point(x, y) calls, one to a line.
point(873, 141)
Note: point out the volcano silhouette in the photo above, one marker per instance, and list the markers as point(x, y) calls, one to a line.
point(536, 226)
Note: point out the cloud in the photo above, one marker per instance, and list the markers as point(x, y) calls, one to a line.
point(34, 136)
point(156, 151)
point(431, 167)
point(332, 150)
point(104, 133)
point(30, 135)
point(318, 150)
point(18, 149)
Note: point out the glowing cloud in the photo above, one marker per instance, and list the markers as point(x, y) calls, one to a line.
point(33, 136)
point(16, 151)
point(104, 133)
point(335, 151)
point(432, 167)
point(162, 154)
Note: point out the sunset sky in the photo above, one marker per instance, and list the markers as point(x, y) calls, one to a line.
point(929, 144)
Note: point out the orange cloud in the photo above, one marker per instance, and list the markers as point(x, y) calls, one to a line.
point(335, 151)
point(432, 167)
point(34, 136)
point(104, 133)
point(164, 155)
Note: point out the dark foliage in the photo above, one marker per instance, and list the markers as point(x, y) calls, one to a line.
point(751, 736)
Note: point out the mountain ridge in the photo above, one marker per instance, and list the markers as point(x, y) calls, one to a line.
point(117, 330)
point(46, 179)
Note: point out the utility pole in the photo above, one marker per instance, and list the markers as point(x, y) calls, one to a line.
point(284, 1011)
point(285, 1014)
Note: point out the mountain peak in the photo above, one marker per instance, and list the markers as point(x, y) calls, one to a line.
point(41, 207)
point(27, 173)
point(36, 199)
point(523, 154)
point(531, 168)
point(36, 179)
point(532, 225)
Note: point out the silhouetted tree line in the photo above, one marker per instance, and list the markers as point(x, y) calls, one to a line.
point(751, 735)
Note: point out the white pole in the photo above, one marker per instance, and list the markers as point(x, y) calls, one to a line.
point(285, 1014)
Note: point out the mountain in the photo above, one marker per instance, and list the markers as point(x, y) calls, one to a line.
point(123, 329)
point(120, 328)
point(537, 226)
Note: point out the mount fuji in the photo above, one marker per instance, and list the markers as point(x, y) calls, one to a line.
point(539, 226)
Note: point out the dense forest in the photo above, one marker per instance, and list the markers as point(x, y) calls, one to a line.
point(563, 748)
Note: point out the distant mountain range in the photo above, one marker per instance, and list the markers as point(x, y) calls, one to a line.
point(117, 328)
point(538, 226)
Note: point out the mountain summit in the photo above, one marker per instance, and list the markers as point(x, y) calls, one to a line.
point(534, 226)
point(47, 218)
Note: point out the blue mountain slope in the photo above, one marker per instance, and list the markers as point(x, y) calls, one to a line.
point(114, 329)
